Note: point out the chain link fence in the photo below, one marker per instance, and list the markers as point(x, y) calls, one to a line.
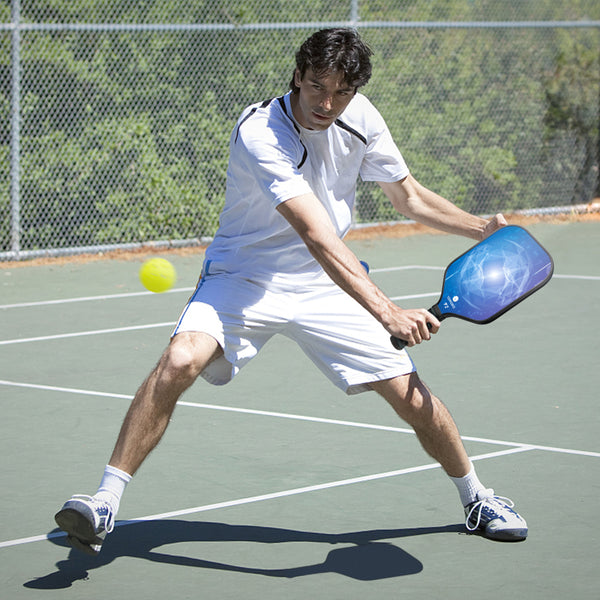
point(115, 115)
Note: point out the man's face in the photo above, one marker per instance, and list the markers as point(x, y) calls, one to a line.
point(321, 100)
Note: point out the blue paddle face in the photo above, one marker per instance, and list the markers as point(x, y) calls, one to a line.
point(494, 275)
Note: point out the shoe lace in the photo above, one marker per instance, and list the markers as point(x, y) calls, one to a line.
point(485, 497)
point(109, 523)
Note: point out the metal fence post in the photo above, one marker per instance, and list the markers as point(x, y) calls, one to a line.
point(15, 133)
point(354, 12)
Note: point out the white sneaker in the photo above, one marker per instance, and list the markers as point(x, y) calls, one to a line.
point(86, 520)
point(494, 516)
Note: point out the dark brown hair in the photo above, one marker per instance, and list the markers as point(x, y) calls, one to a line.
point(337, 49)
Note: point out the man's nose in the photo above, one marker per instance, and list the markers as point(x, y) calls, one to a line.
point(327, 102)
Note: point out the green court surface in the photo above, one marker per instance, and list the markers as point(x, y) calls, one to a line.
point(278, 485)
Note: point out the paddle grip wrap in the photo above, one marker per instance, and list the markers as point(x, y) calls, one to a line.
point(398, 343)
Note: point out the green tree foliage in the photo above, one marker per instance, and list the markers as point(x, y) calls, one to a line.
point(572, 89)
point(125, 132)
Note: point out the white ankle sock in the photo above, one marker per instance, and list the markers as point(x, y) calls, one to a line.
point(468, 486)
point(112, 486)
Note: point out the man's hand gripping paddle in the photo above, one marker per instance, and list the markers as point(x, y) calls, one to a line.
point(492, 277)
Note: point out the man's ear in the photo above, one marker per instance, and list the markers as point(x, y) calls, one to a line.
point(297, 77)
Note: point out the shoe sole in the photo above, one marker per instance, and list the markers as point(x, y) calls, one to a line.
point(80, 532)
point(507, 535)
point(90, 550)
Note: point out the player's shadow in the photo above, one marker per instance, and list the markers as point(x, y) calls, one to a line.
point(364, 555)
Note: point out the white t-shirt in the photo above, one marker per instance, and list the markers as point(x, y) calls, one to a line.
point(273, 159)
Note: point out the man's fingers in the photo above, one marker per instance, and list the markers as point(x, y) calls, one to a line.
point(421, 324)
point(432, 323)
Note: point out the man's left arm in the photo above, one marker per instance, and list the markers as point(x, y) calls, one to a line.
point(416, 202)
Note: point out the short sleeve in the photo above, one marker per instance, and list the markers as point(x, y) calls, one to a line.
point(272, 158)
point(383, 161)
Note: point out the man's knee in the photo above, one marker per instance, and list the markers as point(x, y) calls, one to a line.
point(408, 396)
point(188, 354)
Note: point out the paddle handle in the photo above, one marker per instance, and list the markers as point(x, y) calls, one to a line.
point(399, 343)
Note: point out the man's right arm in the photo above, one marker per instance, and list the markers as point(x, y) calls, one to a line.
point(309, 218)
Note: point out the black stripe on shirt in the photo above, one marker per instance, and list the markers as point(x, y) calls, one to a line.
point(263, 105)
point(284, 109)
point(349, 129)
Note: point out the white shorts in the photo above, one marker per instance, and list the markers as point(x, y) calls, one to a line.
point(342, 339)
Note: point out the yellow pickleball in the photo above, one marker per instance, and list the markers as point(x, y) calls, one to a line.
point(158, 275)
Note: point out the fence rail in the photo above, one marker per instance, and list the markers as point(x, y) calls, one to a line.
point(583, 24)
point(114, 134)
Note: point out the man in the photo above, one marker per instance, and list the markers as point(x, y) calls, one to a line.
point(278, 265)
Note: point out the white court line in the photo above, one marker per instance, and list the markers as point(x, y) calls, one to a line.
point(383, 428)
point(191, 289)
point(59, 336)
point(407, 268)
point(91, 298)
point(53, 388)
point(412, 296)
point(173, 291)
point(584, 277)
point(264, 497)
point(265, 413)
